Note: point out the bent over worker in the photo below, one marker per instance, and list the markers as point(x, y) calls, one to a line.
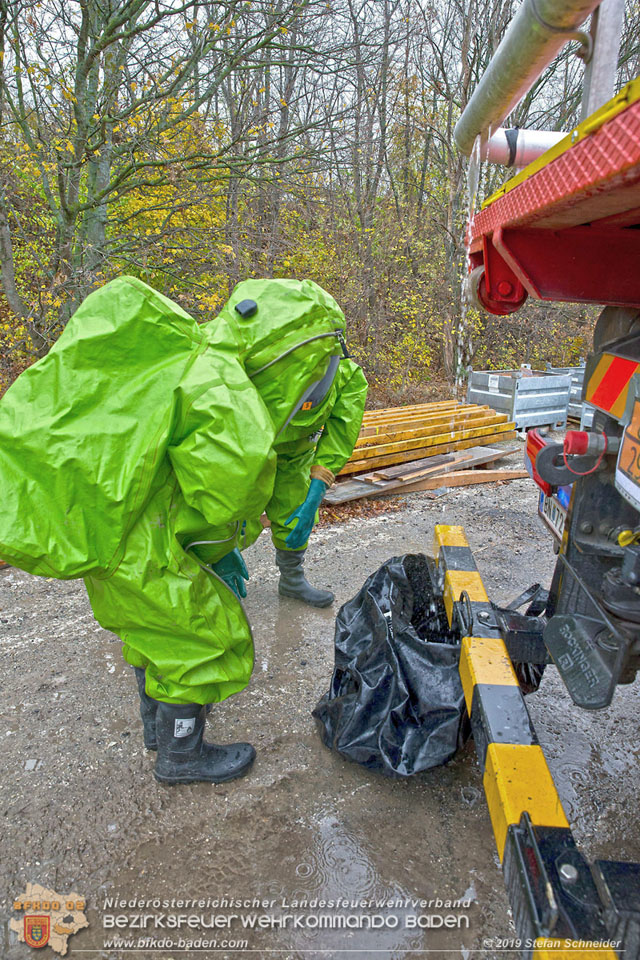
point(312, 449)
point(139, 455)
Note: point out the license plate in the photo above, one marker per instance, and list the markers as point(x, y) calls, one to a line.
point(553, 514)
point(628, 466)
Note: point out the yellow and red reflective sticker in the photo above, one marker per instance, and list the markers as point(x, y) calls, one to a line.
point(609, 382)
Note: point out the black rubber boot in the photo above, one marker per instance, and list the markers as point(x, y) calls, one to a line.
point(183, 755)
point(148, 708)
point(293, 582)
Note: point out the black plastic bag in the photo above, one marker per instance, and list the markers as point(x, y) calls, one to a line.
point(395, 703)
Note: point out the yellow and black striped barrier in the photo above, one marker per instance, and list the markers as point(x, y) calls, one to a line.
point(549, 883)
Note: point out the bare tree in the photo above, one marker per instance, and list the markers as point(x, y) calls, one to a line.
point(93, 92)
point(338, 114)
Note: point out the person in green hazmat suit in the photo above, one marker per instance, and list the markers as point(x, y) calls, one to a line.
point(312, 449)
point(139, 454)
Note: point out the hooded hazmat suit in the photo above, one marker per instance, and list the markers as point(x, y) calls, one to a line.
point(140, 449)
point(316, 443)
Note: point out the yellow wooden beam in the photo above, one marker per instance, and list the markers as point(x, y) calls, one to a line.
point(400, 415)
point(449, 416)
point(433, 436)
point(412, 416)
point(446, 427)
point(412, 406)
point(499, 433)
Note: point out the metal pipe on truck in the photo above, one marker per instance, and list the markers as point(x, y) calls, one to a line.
point(535, 36)
point(517, 147)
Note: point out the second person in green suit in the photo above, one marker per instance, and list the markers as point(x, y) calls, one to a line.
point(311, 451)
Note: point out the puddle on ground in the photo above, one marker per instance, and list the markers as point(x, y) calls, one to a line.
point(325, 890)
point(337, 871)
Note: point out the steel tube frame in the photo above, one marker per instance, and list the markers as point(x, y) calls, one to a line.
point(600, 73)
point(535, 36)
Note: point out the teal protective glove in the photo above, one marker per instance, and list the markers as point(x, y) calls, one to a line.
point(305, 514)
point(233, 570)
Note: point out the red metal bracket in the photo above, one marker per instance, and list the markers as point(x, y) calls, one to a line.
point(501, 289)
point(582, 264)
point(570, 230)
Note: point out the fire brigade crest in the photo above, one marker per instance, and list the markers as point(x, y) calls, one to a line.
point(48, 919)
point(36, 931)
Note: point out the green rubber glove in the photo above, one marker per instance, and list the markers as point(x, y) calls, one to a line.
point(305, 514)
point(233, 570)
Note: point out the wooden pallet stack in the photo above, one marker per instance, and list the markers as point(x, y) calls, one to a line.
point(400, 434)
point(436, 474)
point(426, 447)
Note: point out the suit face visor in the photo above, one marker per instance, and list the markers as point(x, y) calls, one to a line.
point(317, 391)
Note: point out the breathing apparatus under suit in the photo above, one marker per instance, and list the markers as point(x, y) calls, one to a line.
point(137, 455)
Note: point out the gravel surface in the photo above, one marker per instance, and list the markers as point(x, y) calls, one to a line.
point(81, 811)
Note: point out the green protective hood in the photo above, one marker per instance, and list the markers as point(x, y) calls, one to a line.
point(285, 346)
point(136, 397)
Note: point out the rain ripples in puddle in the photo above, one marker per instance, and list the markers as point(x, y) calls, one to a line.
point(338, 868)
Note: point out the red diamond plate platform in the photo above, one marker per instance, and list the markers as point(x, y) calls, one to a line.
point(568, 227)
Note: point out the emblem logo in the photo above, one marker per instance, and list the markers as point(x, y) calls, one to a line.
point(37, 930)
point(48, 919)
point(182, 728)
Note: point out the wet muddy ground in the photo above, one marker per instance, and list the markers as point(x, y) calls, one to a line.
point(81, 811)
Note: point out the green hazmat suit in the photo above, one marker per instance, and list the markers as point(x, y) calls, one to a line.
point(317, 442)
point(141, 449)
